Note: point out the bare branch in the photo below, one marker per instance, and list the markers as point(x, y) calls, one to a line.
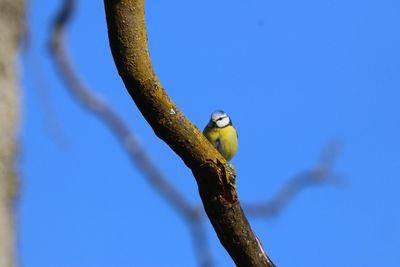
point(193, 215)
point(103, 111)
point(215, 177)
point(200, 244)
point(46, 104)
point(12, 19)
point(320, 174)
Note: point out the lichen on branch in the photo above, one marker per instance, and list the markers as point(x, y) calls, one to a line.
point(214, 175)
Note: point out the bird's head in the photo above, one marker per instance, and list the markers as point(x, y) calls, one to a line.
point(219, 119)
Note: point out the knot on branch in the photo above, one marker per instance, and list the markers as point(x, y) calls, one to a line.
point(217, 180)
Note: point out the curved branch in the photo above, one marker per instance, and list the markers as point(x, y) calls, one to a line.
point(216, 178)
point(320, 174)
point(101, 109)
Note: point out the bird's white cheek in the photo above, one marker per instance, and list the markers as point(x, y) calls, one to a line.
point(222, 123)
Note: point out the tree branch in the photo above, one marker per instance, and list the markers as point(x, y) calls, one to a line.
point(320, 174)
point(200, 244)
point(12, 20)
point(103, 111)
point(216, 178)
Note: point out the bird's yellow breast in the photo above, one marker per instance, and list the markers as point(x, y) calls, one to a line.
point(225, 140)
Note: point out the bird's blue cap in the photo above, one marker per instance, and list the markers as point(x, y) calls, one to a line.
point(218, 114)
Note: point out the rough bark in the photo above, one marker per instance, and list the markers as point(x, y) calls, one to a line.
point(216, 178)
point(11, 19)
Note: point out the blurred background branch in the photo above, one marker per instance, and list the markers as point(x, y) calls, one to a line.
point(321, 174)
point(12, 20)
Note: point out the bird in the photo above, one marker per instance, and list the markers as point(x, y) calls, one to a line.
point(221, 134)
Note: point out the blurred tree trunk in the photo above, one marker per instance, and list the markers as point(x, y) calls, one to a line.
point(12, 16)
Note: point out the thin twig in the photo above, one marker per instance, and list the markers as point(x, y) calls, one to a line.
point(320, 174)
point(200, 243)
point(45, 100)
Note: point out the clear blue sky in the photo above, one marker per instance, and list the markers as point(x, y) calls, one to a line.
point(292, 75)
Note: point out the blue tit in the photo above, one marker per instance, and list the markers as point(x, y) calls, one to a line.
point(221, 134)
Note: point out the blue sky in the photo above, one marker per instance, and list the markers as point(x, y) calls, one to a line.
point(292, 75)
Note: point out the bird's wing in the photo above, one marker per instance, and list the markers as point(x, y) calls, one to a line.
point(217, 144)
